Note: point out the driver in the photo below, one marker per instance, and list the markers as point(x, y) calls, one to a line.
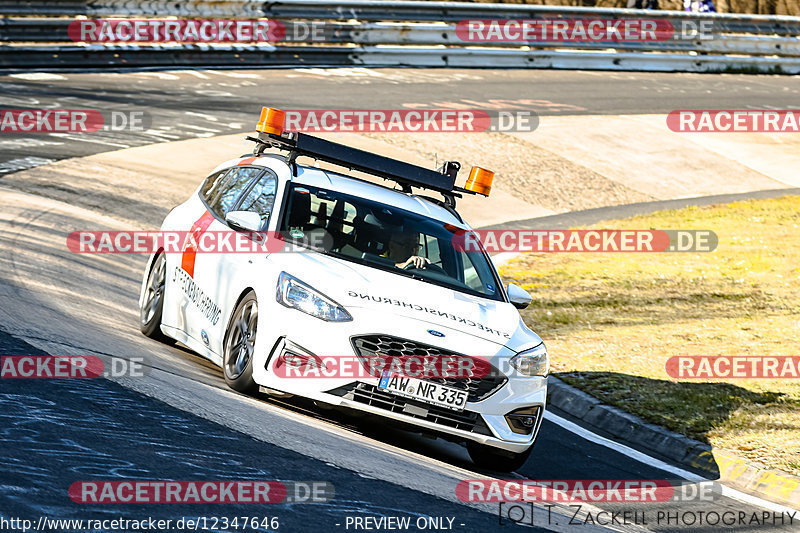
point(402, 249)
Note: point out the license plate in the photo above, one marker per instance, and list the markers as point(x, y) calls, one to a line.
point(424, 391)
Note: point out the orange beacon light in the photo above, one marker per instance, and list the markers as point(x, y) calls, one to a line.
point(480, 181)
point(271, 121)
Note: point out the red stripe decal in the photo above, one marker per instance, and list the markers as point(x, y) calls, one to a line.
point(246, 161)
point(190, 246)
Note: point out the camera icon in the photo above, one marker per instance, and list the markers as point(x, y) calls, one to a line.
point(515, 512)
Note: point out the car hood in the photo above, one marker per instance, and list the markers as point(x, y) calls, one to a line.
point(356, 286)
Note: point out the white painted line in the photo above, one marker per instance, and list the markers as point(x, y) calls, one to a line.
point(87, 139)
point(27, 142)
point(23, 163)
point(36, 76)
point(160, 134)
point(232, 74)
point(210, 118)
point(195, 74)
point(12, 101)
point(661, 465)
point(159, 75)
point(198, 128)
point(341, 72)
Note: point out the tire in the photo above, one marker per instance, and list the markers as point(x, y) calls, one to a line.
point(152, 307)
point(240, 340)
point(492, 458)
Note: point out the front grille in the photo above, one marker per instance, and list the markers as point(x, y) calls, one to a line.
point(371, 395)
point(387, 346)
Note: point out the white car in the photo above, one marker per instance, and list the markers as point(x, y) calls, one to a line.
point(369, 272)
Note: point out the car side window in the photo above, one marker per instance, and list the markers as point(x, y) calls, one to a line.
point(430, 249)
point(476, 274)
point(261, 197)
point(212, 184)
point(228, 193)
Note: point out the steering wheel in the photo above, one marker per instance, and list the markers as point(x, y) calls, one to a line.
point(428, 266)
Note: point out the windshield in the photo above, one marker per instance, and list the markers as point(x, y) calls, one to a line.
point(387, 238)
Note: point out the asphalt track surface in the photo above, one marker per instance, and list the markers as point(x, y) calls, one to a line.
point(185, 104)
point(79, 431)
point(181, 422)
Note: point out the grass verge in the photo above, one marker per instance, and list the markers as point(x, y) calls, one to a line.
point(611, 321)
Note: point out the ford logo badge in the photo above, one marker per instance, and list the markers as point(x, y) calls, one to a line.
point(436, 333)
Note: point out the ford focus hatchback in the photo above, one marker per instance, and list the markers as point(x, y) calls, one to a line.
point(355, 288)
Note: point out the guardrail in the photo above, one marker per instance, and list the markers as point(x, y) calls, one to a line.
point(395, 33)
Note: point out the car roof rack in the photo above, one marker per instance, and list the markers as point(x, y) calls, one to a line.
point(271, 133)
point(405, 174)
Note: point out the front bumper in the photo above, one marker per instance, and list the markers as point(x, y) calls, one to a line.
point(483, 421)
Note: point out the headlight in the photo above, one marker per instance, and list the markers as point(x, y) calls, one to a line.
point(292, 292)
point(532, 362)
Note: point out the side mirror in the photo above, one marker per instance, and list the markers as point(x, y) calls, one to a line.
point(520, 298)
point(243, 220)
